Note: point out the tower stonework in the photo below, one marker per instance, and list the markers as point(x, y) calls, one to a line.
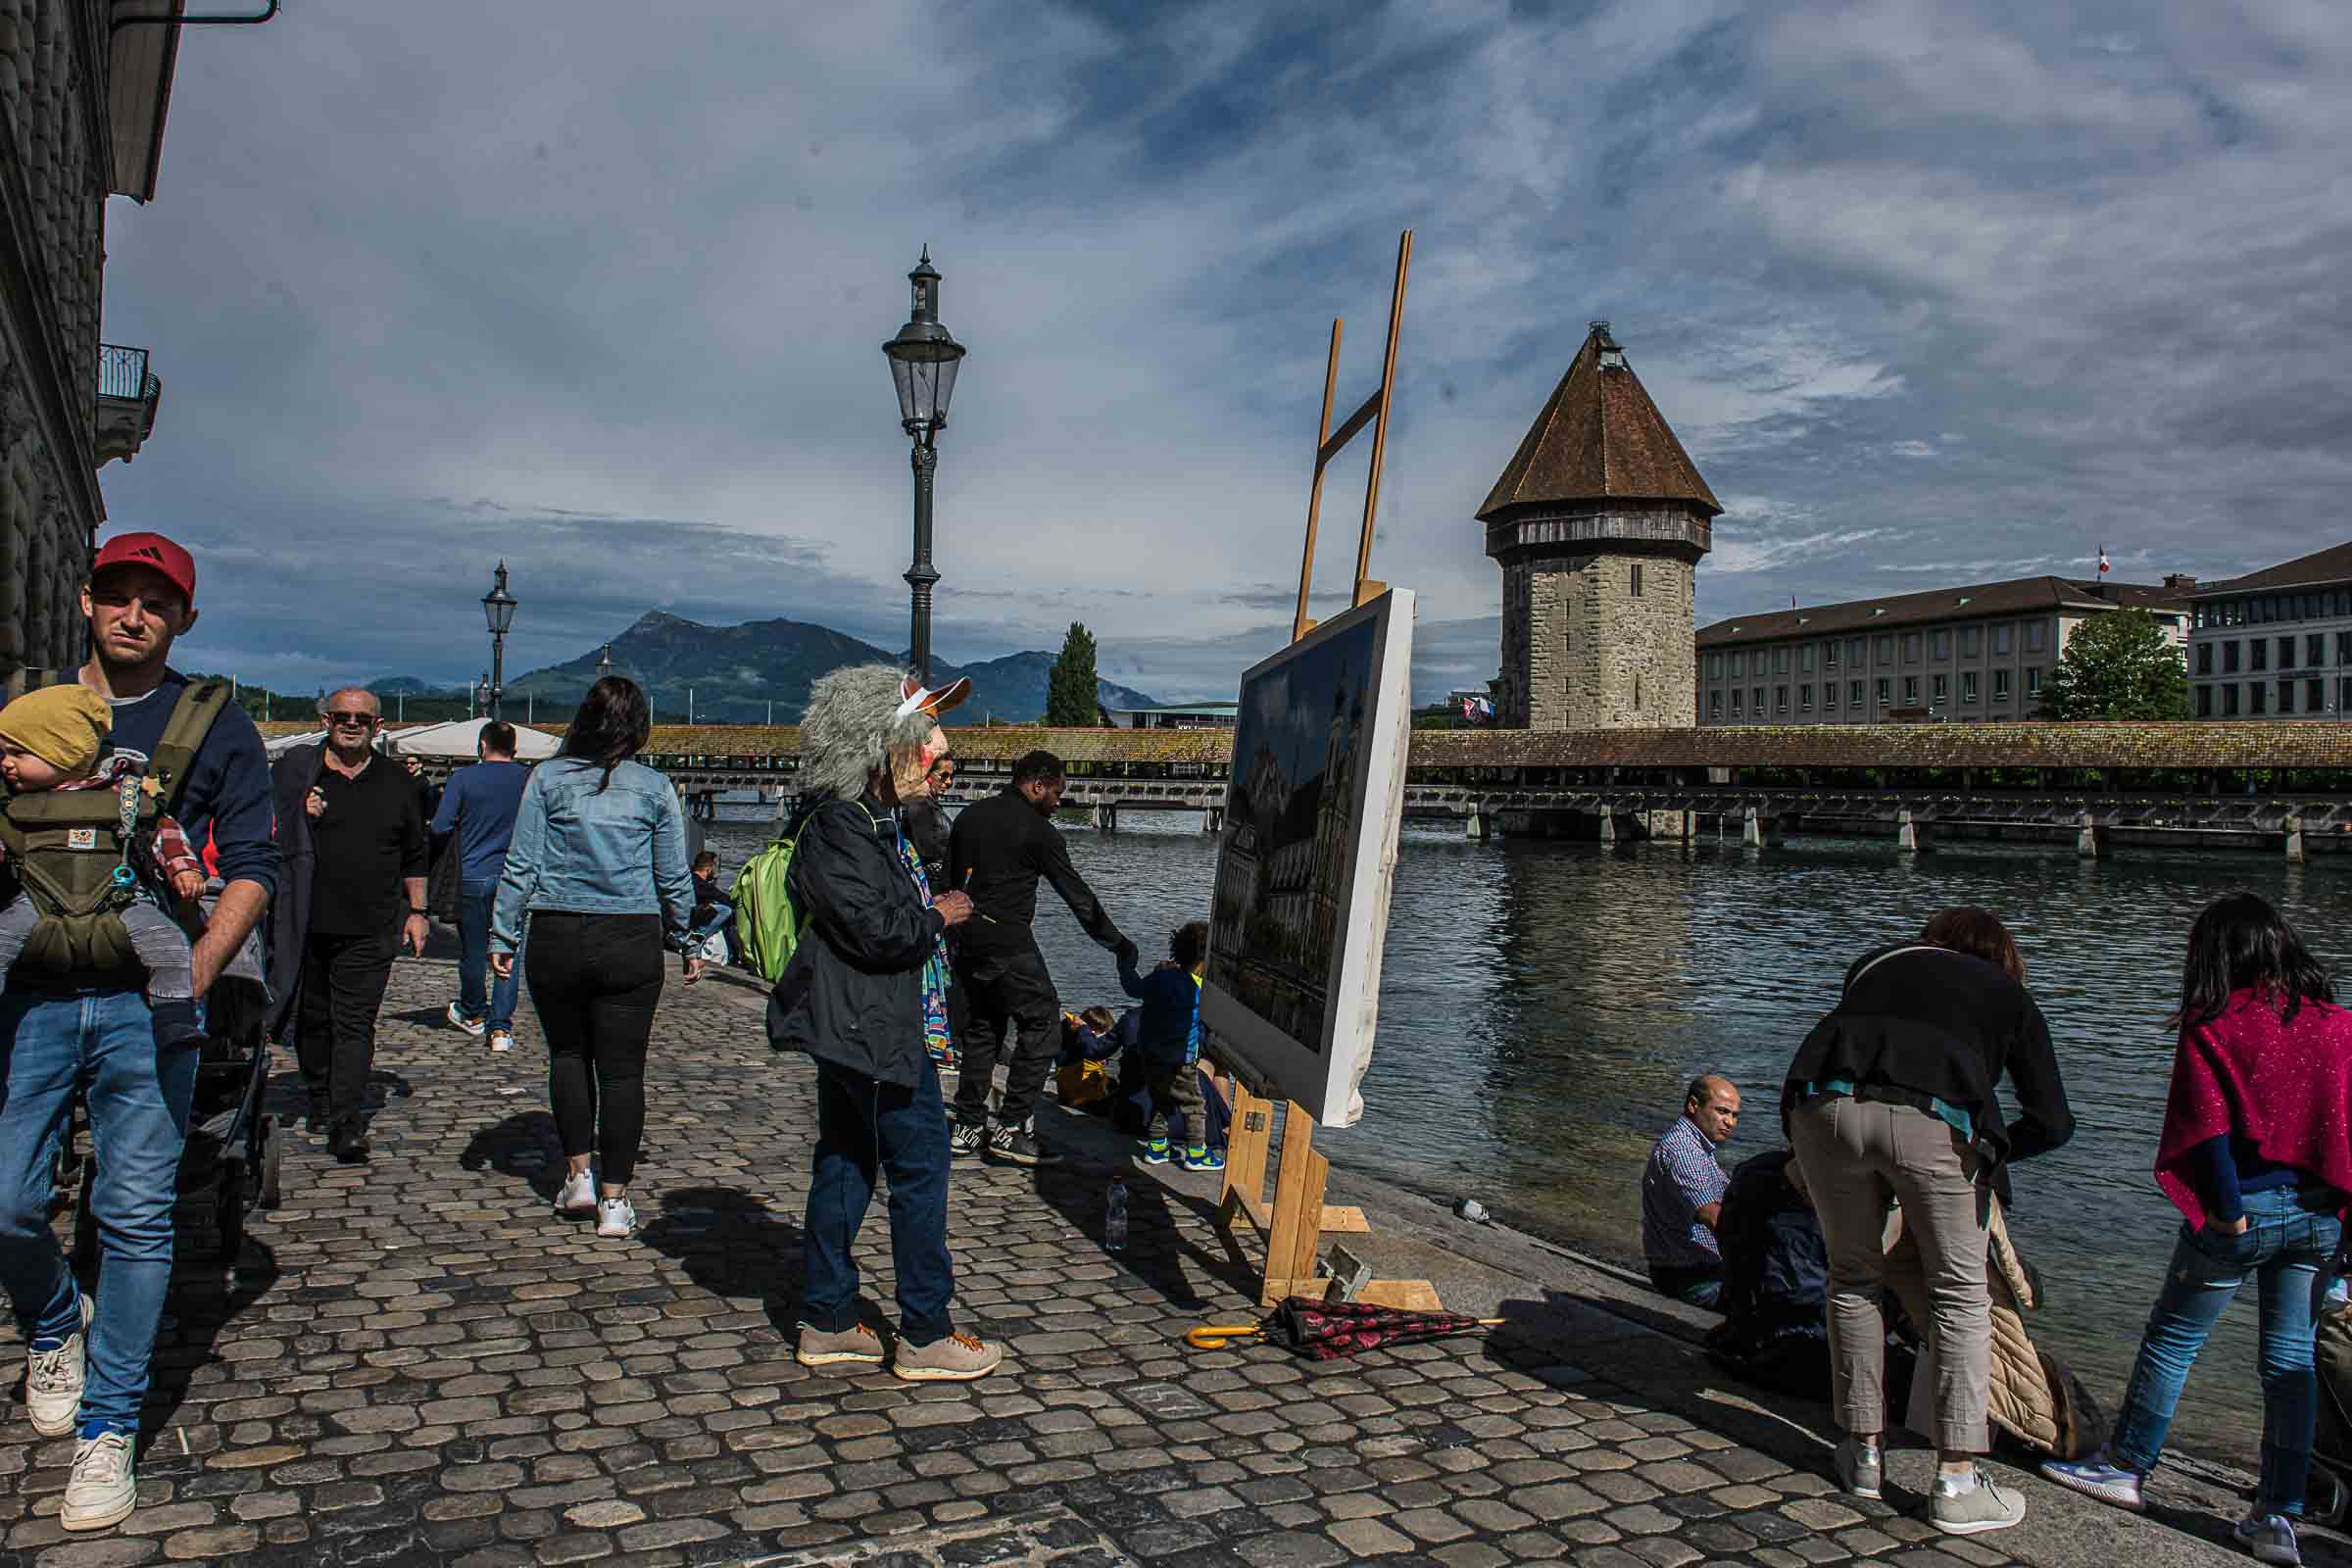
point(1599, 523)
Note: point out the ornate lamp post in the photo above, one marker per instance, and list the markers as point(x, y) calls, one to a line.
point(923, 358)
point(604, 665)
point(498, 607)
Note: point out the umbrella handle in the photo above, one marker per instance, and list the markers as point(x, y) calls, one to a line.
point(1216, 1336)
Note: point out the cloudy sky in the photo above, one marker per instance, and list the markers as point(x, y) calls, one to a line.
point(1934, 293)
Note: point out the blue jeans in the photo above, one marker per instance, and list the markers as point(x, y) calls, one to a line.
point(497, 1008)
point(2288, 1246)
point(863, 1126)
point(102, 1045)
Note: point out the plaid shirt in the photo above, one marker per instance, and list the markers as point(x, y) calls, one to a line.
point(1680, 1178)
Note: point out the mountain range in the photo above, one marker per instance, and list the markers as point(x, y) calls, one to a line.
point(761, 670)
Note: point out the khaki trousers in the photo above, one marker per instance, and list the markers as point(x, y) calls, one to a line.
point(1856, 1155)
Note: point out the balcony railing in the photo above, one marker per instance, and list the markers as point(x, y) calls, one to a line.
point(122, 374)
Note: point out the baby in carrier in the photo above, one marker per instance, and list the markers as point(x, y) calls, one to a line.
point(86, 876)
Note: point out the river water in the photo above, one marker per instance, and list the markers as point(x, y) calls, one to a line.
point(1543, 1005)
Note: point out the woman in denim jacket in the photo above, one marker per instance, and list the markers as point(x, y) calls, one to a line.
point(598, 862)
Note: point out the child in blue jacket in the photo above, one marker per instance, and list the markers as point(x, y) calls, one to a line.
point(1169, 1044)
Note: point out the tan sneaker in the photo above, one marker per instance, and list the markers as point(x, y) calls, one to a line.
point(856, 1343)
point(956, 1359)
point(103, 1487)
point(53, 1379)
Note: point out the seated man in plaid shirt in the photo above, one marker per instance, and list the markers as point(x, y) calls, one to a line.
point(1682, 1194)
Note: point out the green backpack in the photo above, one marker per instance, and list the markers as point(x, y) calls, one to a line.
point(767, 929)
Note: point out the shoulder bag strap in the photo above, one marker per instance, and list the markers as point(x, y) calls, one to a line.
point(184, 731)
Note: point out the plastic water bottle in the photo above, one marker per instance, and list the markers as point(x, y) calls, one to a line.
point(1114, 1217)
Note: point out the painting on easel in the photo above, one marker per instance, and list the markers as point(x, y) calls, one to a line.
point(1308, 856)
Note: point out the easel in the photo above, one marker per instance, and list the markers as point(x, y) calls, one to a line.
point(1294, 1223)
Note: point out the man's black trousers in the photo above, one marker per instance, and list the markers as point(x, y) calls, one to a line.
point(343, 981)
point(1005, 994)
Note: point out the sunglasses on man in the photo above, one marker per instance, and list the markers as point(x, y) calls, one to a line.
point(358, 721)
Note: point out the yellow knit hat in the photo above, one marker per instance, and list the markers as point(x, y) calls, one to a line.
point(65, 726)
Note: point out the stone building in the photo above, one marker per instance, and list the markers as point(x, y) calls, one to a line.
point(1970, 655)
point(82, 100)
point(1599, 524)
point(2276, 643)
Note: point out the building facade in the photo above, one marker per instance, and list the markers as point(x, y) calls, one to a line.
point(1599, 524)
point(1970, 655)
point(81, 115)
point(2276, 643)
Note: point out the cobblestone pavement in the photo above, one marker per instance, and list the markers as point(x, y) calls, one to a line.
point(414, 1363)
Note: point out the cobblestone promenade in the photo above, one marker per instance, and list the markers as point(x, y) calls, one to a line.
point(414, 1363)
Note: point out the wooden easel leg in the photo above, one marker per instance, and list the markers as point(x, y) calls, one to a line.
point(1298, 1219)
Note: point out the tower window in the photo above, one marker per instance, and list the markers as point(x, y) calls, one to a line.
point(1637, 683)
point(1636, 595)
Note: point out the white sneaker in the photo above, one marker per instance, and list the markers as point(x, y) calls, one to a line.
point(53, 1379)
point(501, 1040)
point(616, 1216)
point(456, 1015)
point(104, 1488)
point(579, 1196)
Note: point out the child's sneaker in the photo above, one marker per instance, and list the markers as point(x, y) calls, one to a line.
point(1156, 1150)
point(2271, 1537)
point(1199, 1159)
point(2098, 1477)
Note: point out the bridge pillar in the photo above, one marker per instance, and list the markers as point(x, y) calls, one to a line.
point(2087, 838)
point(1474, 826)
point(1757, 831)
point(1212, 819)
point(2294, 838)
point(1107, 818)
point(1608, 826)
point(1909, 837)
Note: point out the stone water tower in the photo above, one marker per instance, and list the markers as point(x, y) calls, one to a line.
point(1599, 524)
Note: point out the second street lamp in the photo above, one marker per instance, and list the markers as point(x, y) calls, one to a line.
point(923, 358)
point(498, 607)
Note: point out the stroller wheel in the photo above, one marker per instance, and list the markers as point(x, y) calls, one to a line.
point(2325, 1496)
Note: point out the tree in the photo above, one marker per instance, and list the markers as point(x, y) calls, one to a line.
point(1070, 688)
point(2118, 665)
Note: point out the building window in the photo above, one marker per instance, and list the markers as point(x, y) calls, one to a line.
point(2286, 694)
point(2286, 653)
point(1941, 689)
point(1857, 650)
point(1968, 685)
point(1758, 694)
point(1804, 698)
point(2036, 633)
point(1910, 691)
point(2033, 680)
point(1943, 645)
point(2258, 653)
point(1637, 579)
point(1804, 659)
point(2001, 639)
point(2229, 659)
point(2204, 702)
point(2315, 650)
point(1886, 648)
point(2229, 700)
point(2000, 685)
point(1735, 694)
point(1714, 704)
point(1637, 694)
point(1910, 648)
point(2344, 647)
point(1714, 665)
point(1828, 695)
point(1886, 691)
point(2315, 695)
point(1971, 641)
point(2204, 659)
point(2257, 696)
point(1854, 695)
point(1779, 698)
point(2343, 694)
point(1829, 655)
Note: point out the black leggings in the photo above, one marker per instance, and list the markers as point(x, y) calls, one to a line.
point(595, 979)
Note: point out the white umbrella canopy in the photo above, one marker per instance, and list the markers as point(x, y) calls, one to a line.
point(286, 742)
point(460, 737)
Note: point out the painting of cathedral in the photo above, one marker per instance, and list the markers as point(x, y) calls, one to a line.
point(1307, 855)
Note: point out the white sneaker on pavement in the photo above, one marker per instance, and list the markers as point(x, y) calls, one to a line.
point(501, 1040)
point(53, 1379)
point(616, 1216)
point(456, 1015)
point(579, 1196)
point(104, 1487)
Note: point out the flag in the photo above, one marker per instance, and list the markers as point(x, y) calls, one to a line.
point(2105, 565)
point(1469, 709)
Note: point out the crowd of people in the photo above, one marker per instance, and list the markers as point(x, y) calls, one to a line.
point(1888, 1201)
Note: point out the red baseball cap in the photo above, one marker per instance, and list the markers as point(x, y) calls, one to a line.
point(154, 551)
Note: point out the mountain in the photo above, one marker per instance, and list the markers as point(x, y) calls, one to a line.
point(747, 673)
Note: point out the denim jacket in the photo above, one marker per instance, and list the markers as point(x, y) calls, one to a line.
point(617, 850)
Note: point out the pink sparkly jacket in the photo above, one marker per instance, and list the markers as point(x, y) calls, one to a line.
point(2286, 1088)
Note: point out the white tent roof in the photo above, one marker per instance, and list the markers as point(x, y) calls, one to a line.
point(286, 742)
point(458, 736)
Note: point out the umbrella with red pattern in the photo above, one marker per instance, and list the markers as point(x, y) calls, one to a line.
point(1326, 1331)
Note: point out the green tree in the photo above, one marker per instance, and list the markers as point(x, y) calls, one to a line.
point(2118, 665)
point(1070, 688)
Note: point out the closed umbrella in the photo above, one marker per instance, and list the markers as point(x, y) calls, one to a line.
point(1326, 1331)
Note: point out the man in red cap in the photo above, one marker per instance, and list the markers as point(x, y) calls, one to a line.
point(66, 1033)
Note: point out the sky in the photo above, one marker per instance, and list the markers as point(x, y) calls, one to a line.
point(1933, 293)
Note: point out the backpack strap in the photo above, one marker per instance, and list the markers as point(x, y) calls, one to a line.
point(184, 731)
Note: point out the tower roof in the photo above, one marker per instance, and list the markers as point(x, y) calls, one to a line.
point(1599, 438)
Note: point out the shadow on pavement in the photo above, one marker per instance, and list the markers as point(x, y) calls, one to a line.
point(1159, 1252)
point(734, 1245)
point(524, 1147)
point(204, 1299)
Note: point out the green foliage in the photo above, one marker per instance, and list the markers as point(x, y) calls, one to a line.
point(1071, 698)
point(2117, 665)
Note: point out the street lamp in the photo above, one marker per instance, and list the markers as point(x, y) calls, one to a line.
point(923, 358)
point(604, 665)
point(498, 607)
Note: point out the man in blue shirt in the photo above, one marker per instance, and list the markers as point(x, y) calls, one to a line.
point(87, 1362)
point(1682, 1194)
point(479, 808)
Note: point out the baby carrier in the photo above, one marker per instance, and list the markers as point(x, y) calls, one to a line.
point(77, 853)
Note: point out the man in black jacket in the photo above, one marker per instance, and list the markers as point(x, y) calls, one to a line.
point(996, 851)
